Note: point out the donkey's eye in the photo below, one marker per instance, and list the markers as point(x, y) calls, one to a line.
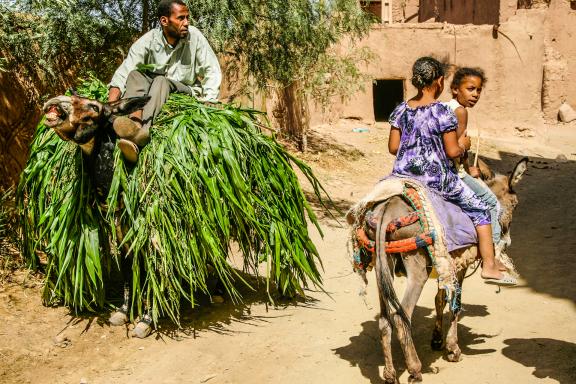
point(95, 108)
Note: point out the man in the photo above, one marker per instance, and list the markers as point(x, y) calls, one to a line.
point(178, 59)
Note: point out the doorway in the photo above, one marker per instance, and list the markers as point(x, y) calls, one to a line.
point(387, 94)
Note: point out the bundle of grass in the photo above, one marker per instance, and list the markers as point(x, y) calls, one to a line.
point(208, 179)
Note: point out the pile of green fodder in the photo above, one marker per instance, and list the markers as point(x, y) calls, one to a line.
point(209, 178)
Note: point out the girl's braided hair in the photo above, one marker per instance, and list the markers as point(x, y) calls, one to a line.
point(425, 70)
point(464, 72)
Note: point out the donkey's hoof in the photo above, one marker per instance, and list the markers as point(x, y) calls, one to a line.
point(118, 318)
point(143, 328)
point(436, 344)
point(454, 356)
point(390, 377)
point(415, 377)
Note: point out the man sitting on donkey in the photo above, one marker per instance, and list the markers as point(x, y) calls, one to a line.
point(178, 58)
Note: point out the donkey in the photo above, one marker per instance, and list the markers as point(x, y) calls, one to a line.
point(416, 266)
point(88, 123)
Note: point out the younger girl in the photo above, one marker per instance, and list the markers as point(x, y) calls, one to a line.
point(466, 89)
point(423, 138)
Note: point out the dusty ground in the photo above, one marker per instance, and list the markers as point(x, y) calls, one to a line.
point(525, 334)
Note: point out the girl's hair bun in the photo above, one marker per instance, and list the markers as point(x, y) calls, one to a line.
point(425, 70)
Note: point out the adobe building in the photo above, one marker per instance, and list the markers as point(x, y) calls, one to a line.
point(527, 49)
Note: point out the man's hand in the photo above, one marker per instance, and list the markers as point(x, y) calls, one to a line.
point(474, 172)
point(114, 94)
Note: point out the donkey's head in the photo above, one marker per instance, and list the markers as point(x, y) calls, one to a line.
point(79, 119)
point(57, 111)
point(503, 187)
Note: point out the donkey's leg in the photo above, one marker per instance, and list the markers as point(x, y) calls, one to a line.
point(454, 353)
point(120, 316)
point(389, 373)
point(144, 326)
point(415, 264)
point(438, 334)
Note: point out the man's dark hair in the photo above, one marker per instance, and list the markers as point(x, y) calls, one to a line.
point(165, 7)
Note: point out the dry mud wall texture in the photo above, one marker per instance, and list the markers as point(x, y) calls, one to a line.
point(530, 62)
point(512, 58)
point(19, 114)
point(560, 59)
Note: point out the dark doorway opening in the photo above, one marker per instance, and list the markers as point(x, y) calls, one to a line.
point(387, 94)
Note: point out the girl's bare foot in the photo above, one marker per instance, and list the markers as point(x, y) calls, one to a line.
point(491, 271)
point(494, 276)
point(501, 266)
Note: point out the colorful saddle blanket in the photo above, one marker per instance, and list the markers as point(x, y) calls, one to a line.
point(456, 229)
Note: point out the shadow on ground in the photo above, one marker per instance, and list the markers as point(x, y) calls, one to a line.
point(212, 314)
point(365, 352)
point(319, 142)
point(217, 317)
point(544, 225)
point(330, 211)
point(551, 358)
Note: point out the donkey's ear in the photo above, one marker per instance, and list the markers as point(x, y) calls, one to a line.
point(517, 173)
point(125, 106)
point(485, 172)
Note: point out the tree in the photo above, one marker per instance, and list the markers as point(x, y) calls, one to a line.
point(272, 46)
point(288, 45)
point(51, 41)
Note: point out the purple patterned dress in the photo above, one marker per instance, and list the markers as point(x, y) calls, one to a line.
point(421, 156)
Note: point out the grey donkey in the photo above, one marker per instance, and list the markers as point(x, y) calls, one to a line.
point(417, 268)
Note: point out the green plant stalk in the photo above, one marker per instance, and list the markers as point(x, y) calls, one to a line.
point(209, 177)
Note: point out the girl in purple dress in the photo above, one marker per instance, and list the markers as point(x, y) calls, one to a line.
point(423, 138)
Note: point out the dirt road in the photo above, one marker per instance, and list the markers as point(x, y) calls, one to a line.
point(525, 334)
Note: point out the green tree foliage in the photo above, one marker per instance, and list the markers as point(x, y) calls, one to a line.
point(208, 179)
point(278, 40)
point(288, 45)
point(50, 42)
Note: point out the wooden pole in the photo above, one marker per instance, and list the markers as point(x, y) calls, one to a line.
point(477, 149)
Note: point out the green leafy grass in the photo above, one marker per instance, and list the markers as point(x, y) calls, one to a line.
point(208, 178)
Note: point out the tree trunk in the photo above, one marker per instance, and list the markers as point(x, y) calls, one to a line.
point(291, 113)
point(145, 15)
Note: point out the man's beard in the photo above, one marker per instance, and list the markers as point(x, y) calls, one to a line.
point(175, 33)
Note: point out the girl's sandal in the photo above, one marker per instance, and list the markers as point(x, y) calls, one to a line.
point(504, 281)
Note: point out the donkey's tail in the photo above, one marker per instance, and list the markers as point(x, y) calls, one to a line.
point(388, 293)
